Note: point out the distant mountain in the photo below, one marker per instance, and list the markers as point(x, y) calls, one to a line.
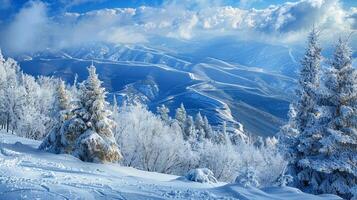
point(239, 82)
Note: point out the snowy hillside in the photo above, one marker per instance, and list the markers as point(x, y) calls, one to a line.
point(27, 173)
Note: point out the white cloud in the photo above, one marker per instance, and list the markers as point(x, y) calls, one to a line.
point(286, 23)
point(28, 29)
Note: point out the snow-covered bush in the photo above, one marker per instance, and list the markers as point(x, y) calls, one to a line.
point(201, 175)
point(148, 143)
point(248, 178)
point(227, 161)
point(284, 179)
point(222, 159)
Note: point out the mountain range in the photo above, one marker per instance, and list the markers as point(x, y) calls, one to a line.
point(245, 83)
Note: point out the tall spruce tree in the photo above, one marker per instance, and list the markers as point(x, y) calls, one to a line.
point(181, 116)
point(337, 163)
point(298, 137)
point(199, 125)
point(96, 143)
point(325, 152)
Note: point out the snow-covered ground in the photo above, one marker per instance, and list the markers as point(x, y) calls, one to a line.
point(27, 173)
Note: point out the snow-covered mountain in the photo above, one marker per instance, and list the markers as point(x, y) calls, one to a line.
point(27, 173)
point(224, 79)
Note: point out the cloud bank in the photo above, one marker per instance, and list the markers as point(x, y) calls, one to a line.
point(33, 30)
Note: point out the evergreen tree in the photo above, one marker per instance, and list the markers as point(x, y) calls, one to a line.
point(326, 149)
point(336, 165)
point(222, 136)
point(181, 116)
point(87, 133)
point(288, 135)
point(305, 106)
point(63, 97)
point(52, 142)
point(199, 125)
point(96, 143)
point(163, 111)
point(207, 128)
point(189, 130)
point(296, 137)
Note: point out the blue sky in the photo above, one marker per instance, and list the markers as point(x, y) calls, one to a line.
point(8, 7)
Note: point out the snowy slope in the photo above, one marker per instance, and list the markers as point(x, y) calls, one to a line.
point(26, 173)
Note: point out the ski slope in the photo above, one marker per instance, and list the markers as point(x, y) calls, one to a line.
point(26, 173)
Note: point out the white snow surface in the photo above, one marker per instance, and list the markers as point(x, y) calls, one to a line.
point(27, 173)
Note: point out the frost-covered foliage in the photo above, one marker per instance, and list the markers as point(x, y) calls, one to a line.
point(284, 179)
point(201, 175)
point(335, 170)
point(303, 111)
point(181, 115)
point(323, 155)
point(86, 130)
point(148, 143)
point(26, 103)
point(248, 178)
point(96, 142)
point(63, 104)
point(163, 111)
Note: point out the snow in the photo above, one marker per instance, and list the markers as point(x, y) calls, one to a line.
point(201, 175)
point(27, 173)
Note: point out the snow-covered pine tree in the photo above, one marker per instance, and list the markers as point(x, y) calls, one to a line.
point(222, 136)
point(199, 125)
point(87, 131)
point(52, 142)
point(96, 142)
point(163, 111)
point(207, 128)
point(336, 164)
point(181, 116)
point(326, 153)
point(288, 134)
point(309, 76)
point(299, 140)
point(189, 132)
